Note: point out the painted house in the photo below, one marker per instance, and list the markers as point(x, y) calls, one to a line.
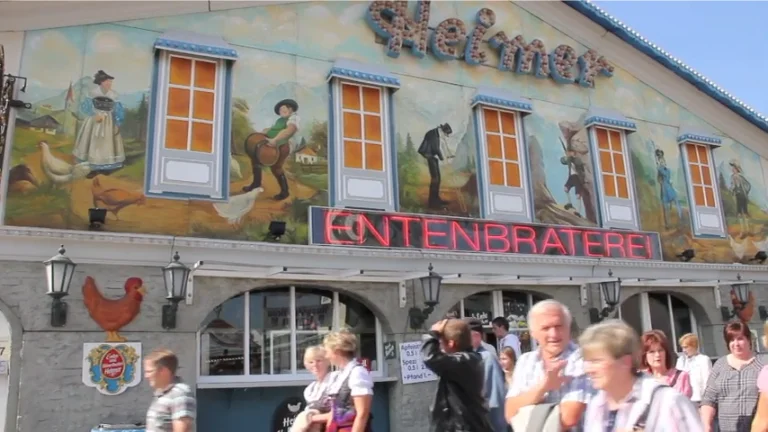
point(526, 150)
point(306, 156)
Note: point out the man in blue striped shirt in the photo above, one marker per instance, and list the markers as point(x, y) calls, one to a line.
point(554, 373)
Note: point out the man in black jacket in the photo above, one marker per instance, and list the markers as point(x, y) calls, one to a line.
point(459, 403)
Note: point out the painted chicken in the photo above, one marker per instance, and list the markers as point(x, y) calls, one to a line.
point(744, 315)
point(114, 199)
point(113, 314)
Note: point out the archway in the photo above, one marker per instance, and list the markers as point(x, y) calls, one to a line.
point(510, 304)
point(664, 311)
point(251, 349)
point(10, 363)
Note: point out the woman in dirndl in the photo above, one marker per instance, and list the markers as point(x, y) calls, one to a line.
point(99, 142)
point(352, 387)
point(318, 408)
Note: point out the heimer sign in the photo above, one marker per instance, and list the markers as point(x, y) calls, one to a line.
point(344, 227)
point(451, 39)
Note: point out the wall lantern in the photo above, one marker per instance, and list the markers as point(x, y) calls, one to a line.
point(58, 273)
point(176, 276)
point(741, 292)
point(611, 290)
point(430, 285)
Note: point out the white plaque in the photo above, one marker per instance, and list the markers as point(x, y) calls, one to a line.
point(412, 368)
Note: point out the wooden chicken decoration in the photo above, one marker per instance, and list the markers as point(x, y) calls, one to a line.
point(745, 315)
point(113, 314)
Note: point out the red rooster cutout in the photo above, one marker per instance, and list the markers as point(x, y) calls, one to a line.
point(113, 314)
point(745, 315)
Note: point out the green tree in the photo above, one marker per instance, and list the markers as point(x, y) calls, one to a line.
point(241, 125)
point(408, 175)
point(318, 138)
point(143, 116)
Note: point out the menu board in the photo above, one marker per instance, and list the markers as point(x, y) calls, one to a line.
point(412, 369)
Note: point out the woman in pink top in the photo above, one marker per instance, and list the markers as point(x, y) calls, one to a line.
point(659, 360)
point(760, 422)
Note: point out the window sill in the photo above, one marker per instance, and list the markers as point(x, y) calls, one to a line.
point(227, 382)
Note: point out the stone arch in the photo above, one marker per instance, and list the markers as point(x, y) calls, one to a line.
point(9, 320)
point(234, 344)
point(700, 322)
point(235, 287)
point(701, 312)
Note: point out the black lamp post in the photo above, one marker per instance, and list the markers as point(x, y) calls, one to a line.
point(611, 291)
point(58, 273)
point(430, 286)
point(175, 275)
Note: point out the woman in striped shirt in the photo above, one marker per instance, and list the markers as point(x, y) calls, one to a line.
point(627, 399)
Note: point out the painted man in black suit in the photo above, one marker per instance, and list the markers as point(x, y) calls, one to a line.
point(431, 149)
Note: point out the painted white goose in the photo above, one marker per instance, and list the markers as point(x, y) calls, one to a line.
point(59, 171)
point(237, 206)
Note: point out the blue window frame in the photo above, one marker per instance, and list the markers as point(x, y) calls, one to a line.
point(505, 191)
point(190, 118)
point(703, 194)
point(362, 154)
point(616, 197)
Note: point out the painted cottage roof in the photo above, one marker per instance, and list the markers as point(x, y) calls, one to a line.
point(307, 151)
point(625, 33)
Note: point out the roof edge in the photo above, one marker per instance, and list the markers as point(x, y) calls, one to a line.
point(625, 33)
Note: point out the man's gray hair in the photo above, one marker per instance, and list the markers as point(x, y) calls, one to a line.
point(547, 305)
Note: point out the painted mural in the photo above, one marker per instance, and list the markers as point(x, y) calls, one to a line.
point(436, 149)
point(83, 141)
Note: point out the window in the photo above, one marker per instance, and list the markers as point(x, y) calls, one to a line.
point(501, 142)
point(706, 214)
point(190, 118)
point(613, 173)
point(282, 323)
point(513, 305)
point(504, 186)
point(659, 311)
point(191, 96)
point(362, 160)
point(612, 168)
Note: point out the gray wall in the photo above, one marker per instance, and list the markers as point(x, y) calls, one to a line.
point(51, 396)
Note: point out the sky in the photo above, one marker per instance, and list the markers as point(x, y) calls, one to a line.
point(724, 41)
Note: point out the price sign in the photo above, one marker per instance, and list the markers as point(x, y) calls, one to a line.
point(412, 368)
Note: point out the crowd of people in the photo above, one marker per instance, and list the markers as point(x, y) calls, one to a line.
point(610, 380)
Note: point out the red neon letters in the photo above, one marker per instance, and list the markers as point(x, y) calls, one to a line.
point(374, 229)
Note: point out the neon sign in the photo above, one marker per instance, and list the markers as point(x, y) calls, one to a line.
point(345, 227)
point(451, 40)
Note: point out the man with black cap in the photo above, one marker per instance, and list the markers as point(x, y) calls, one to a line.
point(278, 136)
point(493, 388)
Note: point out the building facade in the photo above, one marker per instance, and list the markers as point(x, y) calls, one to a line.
point(314, 159)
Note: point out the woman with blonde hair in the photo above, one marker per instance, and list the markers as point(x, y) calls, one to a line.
point(696, 364)
point(352, 387)
point(627, 399)
point(317, 411)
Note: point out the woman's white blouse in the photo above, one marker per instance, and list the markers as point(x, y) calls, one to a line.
point(360, 381)
point(317, 389)
point(698, 368)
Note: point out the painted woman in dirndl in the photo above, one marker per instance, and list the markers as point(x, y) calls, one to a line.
point(99, 142)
